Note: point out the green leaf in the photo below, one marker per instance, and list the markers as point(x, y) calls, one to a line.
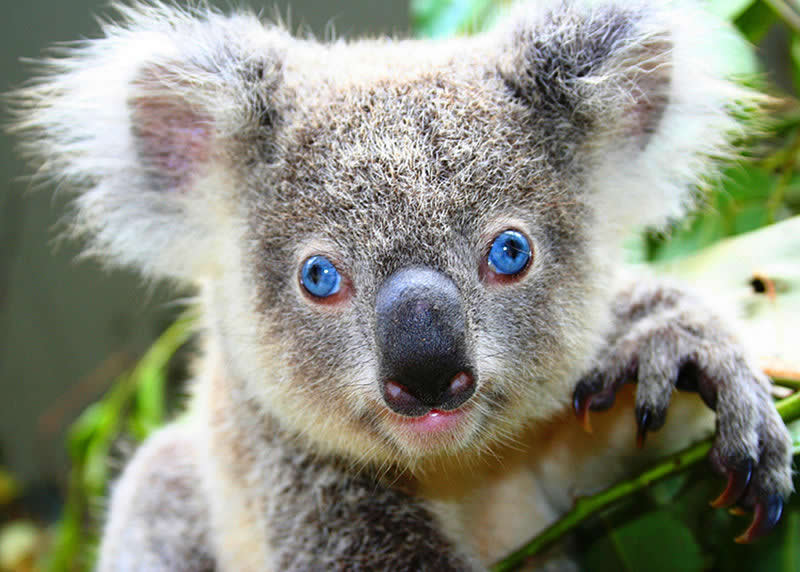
point(747, 197)
point(634, 543)
point(729, 9)
point(795, 54)
point(666, 491)
point(750, 217)
point(754, 22)
point(424, 14)
point(748, 183)
point(790, 547)
point(794, 429)
point(95, 465)
point(82, 430)
point(740, 59)
point(149, 377)
point(442, 18)
point(737, 58)
point(701, 231)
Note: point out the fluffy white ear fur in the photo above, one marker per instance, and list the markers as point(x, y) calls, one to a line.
point(661, 107)
point(138, 120)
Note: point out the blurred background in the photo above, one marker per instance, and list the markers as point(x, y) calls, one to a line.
point(72, 333)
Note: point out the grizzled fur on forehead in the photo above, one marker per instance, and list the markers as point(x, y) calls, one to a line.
point(396, 171)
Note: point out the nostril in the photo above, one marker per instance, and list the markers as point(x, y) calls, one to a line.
point(461, 382)
point(461, 388)
point(400, 400)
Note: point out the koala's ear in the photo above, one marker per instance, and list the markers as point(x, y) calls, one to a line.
point(147, 122)
point(628, 93)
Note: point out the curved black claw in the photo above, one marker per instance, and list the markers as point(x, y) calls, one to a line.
point(590, 395)
point(766, 516)
point(738, 479)
point(643, 420)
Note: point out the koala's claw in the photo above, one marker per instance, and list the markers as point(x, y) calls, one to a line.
point(643, 420)
point(738, 479)
point(590, 395)
point(581, 402)
point(766, 515)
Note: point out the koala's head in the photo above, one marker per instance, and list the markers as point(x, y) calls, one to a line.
point(404, 247)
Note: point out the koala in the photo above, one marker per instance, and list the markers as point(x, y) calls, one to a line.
point(409, 264)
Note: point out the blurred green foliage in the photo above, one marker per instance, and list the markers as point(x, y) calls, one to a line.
point(133, 407)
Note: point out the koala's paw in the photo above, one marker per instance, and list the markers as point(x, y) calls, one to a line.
point(665, 339)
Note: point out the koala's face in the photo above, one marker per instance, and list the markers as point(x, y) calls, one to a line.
point(421, 263)
point(404, 247)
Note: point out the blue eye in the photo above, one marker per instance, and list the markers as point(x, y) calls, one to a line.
point(320, 277)
point(510, 253)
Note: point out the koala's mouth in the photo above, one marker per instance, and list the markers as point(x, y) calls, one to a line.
point(433, 433)
point(436, 421)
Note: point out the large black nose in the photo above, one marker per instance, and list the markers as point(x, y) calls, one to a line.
point(421, 335)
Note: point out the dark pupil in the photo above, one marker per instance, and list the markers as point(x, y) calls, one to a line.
point(315, 273)
point(513, 248)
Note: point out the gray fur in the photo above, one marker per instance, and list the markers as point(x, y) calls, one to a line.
point(223, 152)
point(168, 462)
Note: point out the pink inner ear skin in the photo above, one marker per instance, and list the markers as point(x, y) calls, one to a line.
point(650, 89)
point(173, 139)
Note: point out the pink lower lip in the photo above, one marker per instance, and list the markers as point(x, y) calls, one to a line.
point(435, 421)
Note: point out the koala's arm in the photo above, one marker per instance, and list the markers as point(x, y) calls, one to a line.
point(158, 515)
point(665, 339)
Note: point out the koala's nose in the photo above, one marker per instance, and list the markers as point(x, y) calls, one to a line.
point(421, 336)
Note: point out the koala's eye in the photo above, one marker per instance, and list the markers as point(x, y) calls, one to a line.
point(509, 255)
point(319, 277)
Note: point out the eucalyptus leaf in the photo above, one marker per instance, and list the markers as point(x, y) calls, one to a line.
point(738, 59)
point(795, 54)
point(443, 18)
point(755, 22)
point(794, 429)
point(729, 9)
point(749, 182)
point(634, 543)
point(668, 490)
point(690, 236)
point(150, 378)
